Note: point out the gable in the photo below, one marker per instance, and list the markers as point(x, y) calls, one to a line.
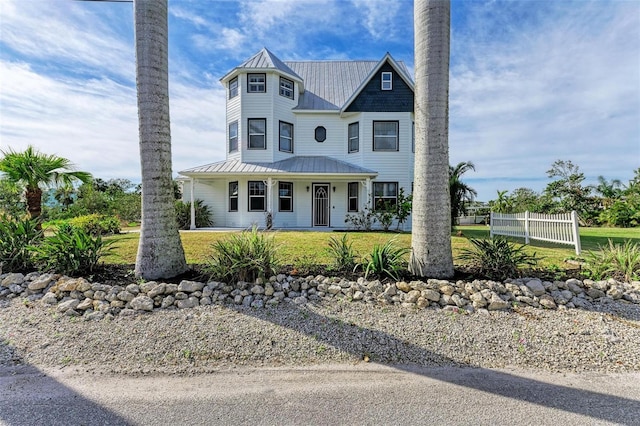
point(373, 99)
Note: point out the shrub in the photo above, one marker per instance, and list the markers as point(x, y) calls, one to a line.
point(243, 257)
point(497, 258)
point(202, 213)
point(71, 251)
point(16, 236)
point(621, 262)
point(362, 220)
point(386, 260)
point(96, 224)
point(385, 214)
point(342, 253)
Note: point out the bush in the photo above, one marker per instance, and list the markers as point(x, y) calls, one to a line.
point(202, 212)
point(243, 257)
point(497, 258)
point(386, 260)
point(343, 254)
point(70, 251)
point(621, 262)
point(95, 224)
point(16, 236)
point(362, 220)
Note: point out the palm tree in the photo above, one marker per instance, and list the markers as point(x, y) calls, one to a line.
point(610, 190)
point(160, 251)
point(431, 254)
point(34, 171)
point(502, 204)
point(460, 192)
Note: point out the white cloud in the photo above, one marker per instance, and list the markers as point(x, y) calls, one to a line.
point(563, 90)
point(379, 17)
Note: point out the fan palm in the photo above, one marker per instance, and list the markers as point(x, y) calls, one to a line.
point(35, 170)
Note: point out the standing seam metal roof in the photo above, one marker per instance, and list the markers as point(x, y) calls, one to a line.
point(299, 164)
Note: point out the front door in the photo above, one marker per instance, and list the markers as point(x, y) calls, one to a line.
point(320, 204)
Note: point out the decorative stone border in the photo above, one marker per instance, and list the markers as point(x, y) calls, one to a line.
point(79, 297)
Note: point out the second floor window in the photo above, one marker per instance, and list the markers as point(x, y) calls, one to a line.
point(285, 196)
point(286, 88)
point(354, 137)
point(256, 83)
point(233, 196)
point(286, 137)
point(233, 136)
point(233, 88)
point(257, 133)
point(257, 196)
point(385, 135)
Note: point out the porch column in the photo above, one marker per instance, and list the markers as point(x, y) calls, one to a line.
point(269, 195)
point(193, 207)
point(367, 195)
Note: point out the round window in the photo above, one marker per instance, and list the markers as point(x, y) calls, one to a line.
point(321, 134)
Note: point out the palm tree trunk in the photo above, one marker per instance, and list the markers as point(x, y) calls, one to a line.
point(431, 254)
point(160, 252)
point(34, 203)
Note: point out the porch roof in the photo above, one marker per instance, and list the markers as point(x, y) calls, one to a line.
point(299, 165)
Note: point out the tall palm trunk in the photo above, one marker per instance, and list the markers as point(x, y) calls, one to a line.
point(160, 252)
point(431, 228)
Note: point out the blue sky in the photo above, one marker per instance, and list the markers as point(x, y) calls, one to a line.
point(531, 81)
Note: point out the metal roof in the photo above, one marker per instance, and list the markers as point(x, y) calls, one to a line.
point(307, 165)
point(264, 60)
point(330, 84)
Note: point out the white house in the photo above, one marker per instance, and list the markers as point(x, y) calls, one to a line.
point(309, 142)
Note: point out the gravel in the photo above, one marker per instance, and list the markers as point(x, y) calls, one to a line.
point(210, 338)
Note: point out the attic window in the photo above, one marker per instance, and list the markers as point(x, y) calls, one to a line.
point(286, 88)
point(257, 83)
point(387, 81)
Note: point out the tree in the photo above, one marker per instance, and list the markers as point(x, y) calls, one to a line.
point(35, 171)
point(431, 254)
point(502, 204)
point(609, 190)
point(567, 190)
point(160, 251)
point(460, 192)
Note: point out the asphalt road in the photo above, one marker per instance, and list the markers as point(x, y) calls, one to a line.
point(363, 394)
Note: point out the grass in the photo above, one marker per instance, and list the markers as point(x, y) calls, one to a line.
point(309, 245)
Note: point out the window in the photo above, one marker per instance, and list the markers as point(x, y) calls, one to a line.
point(352, 195)
point(257, 196)
point(387, 79)
point(354, 137)
point(286, 88)
point(385, 135)
point(233, 196)
point(320, 134)
point(256, 83)
point(285, 197)
point(385, 194)
point(233, 88)
point(286, 137)
point(257, 133)
point(233, 136)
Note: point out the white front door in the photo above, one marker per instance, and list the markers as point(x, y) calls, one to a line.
point(320, 204)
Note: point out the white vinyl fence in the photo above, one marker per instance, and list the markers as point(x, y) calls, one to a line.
point(556, 228)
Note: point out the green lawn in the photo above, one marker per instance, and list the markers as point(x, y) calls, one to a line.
point(305, 247)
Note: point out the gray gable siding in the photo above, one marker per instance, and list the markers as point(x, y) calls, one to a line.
point(373, 99)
